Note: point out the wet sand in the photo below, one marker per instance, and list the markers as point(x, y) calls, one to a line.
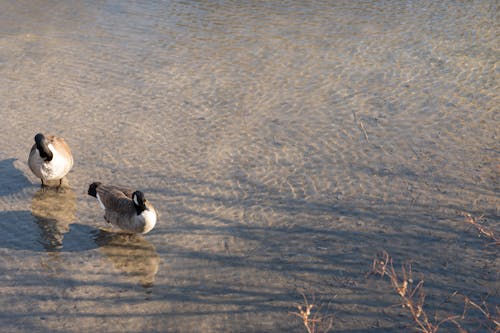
point(283, 145)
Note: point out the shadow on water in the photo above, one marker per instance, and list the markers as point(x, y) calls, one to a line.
point(53, 230)
point(323, 247)
point(13, 179)
point(131, 254)
point(21, 232)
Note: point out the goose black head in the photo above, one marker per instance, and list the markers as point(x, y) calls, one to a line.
point(43, 147)
point(93, 189)
point(139, 201)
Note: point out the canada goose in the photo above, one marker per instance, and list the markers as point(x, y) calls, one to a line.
point(127, 209)
point(50, 158)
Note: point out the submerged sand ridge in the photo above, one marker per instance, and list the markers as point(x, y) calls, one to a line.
point(283, 147)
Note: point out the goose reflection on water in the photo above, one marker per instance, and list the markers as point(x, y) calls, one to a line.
point(54, 210)
point(131, 254)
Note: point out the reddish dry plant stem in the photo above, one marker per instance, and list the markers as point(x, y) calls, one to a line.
point(493, 319)
point(484, 231)
point(413, 297)
point(312, 320)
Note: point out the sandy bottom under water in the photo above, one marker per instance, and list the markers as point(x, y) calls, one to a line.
point(283, 145)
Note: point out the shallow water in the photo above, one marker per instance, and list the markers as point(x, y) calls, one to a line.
point(284, 144)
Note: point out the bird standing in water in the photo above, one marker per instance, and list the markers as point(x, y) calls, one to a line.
point(50, 158)
point(124, 208)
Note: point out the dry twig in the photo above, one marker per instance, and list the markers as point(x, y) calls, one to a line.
point(361, 126)
point(413, 297)
point(313, 321)
point(483, 231)
point(493, 320)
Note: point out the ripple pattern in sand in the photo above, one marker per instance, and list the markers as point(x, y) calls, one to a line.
point(282, 144)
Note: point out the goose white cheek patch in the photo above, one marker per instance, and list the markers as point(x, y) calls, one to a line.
point(100, 202)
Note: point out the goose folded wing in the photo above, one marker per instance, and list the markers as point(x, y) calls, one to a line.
point(115, 198)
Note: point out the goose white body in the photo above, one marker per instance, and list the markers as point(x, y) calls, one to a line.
point(58, 166)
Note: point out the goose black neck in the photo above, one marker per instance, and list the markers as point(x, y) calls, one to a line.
point(139, 209)
point(43, 147)
point(139, 202)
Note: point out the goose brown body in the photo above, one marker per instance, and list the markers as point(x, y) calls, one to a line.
point(124, 208)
